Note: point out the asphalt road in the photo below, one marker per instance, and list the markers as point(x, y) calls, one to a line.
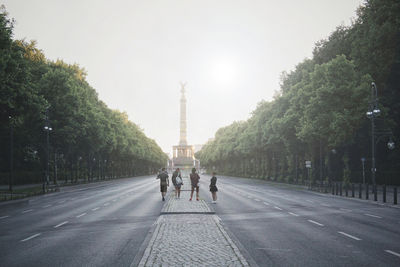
point(106, 224)
point(101, 224)
point(280, 225)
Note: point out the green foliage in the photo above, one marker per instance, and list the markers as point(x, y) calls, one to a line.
point(321, 107)
point(88, 139)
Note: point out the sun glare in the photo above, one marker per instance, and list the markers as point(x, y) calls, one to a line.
point(224, 73)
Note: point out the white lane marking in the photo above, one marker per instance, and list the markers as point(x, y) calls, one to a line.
point(46, 206)
point(60, 224)
point(345, 209)
point(3, 217)
point(314, 222)
point(265, 203)
point(393, 253)
point(310, 201)
point(32, 236)
point(370, 215)
point(114, 200)
point(325, 205)
point(60, 202)
point(294, 214)
point(95, 208)
point(351, 236)
point(25, 211)
point(277, 208)
point(106, 204)
point(249, 197)
point(256, 199)
point(80, 215)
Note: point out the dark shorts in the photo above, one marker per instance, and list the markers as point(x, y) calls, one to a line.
point(213, 189)
point(163, 188)
point(178, 186)
point(195, 187)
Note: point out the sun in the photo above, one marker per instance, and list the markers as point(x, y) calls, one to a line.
point(224, 72)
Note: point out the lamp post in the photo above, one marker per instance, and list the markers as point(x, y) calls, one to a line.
point(48, 129)
point(372, 113)
point(10, 186)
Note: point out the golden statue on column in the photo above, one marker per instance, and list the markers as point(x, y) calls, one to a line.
point(183, 154)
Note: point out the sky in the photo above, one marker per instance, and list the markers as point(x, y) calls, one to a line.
point(230, 53)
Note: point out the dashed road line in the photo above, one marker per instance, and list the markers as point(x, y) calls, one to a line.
point(393, 253)
point(325, 205)
point(60, 202)
point(46, 206)
point(345, 210)
point(80, 215)
point(351, 236)
point(61, 224)
point(277, 208)
point(294, 214)
point(265, 203)
point(3, 217)
point(26, 211)
point(32, 236)
point(374, 216)
point(309, 201)
point(95, 209)
point(314, 222)
point(256, 199)
point(106, 204)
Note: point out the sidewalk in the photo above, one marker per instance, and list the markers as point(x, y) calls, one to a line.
point(189, 234)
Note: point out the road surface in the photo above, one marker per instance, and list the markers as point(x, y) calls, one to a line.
point(108, 224)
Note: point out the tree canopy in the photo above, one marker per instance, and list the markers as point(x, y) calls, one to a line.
point(87, 140)
point(319, 113)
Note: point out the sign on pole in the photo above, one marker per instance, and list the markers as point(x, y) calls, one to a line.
point(308, 163)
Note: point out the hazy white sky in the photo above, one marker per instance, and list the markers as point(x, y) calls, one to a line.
point(231, 53)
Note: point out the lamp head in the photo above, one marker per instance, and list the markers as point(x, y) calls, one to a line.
point(391, 145)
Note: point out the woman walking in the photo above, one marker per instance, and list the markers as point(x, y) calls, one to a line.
point(213, 188)
point(177, 181)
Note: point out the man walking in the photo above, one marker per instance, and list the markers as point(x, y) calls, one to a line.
point(164, 182)
point(194, 179)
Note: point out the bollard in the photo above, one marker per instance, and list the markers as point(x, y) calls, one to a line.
point(366, 191)
point(384, 193)
point(333, 188)
point(352, 190)
point(340, 188)
point(346, 189)
point(375, 193)
point(395, 195)
point(360, 190)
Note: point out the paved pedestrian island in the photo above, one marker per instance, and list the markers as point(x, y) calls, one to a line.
point(189, 234)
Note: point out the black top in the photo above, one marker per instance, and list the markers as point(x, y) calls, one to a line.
point(213, 181)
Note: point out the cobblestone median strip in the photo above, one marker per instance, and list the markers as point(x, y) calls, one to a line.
point(188, 234)
point(191, 240)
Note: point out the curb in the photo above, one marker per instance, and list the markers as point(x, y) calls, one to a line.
point(18, 202)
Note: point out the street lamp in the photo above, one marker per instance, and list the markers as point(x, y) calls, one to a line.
point(373, 113)
point(10, 186)
point(48, 129)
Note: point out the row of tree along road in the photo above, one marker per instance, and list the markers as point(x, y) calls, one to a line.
point(322, 114)
point(53, 125)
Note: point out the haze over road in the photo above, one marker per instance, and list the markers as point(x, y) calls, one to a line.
point(106, 224)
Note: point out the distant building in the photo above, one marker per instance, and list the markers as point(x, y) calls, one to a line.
point(183, 154)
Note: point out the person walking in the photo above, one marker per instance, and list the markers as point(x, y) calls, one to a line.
point(194, 179)
point(213, 188)
point(178, 182)
point(164, 182)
